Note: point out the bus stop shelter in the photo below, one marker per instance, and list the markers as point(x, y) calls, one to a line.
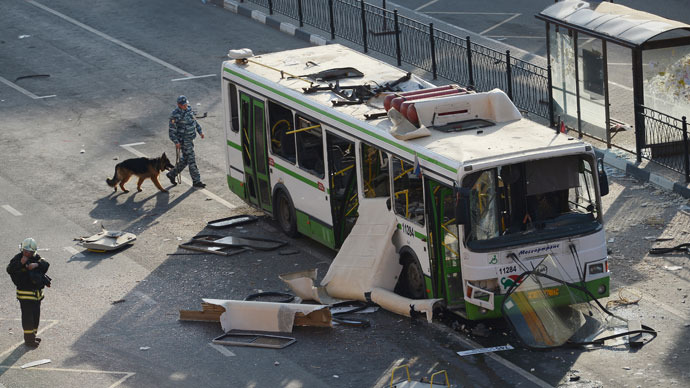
point(612, 68)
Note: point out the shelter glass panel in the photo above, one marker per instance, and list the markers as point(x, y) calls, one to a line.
point(592, 88)
point(563, 62)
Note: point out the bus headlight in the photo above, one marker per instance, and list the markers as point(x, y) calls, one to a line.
point(602, 289)
point(596, 268)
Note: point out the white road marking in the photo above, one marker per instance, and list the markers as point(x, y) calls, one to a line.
point(12, 210)
point(185, 180)
point(469, 13)
point(52, 322)
point(513, 37)
point(534, 379)
point(193, 77)
point(222, 349)
point(499, 24)
point(103, 372)
point(73, 252)
point(22, 90)
point(111, 39)
point(426, 5)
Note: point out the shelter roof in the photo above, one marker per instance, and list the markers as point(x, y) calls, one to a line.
point(616, 23)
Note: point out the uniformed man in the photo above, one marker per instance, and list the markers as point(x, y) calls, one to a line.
point(28, 272)
point(182, 131)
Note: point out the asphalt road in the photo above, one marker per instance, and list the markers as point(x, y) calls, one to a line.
point(101, 83)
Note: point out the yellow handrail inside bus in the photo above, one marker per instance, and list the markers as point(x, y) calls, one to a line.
point(407, 369)
point(403, 174)
point(302, 129)
point(450, 249)
point(439, 372)
point(273, 131)
point(341, 172)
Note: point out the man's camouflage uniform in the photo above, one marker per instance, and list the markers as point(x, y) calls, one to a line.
point(182, 129)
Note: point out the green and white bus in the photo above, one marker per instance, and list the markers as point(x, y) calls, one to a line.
point(486, 195)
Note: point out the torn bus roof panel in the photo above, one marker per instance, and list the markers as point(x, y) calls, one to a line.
point(402, 305)
point(269, 316)
point(367, 258)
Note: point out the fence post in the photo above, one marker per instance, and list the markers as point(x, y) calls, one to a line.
point(270, 7)
point(384, 15)
point(299, 13)
point(330, 15)
point(687, 152)
point(469, 63)
point(364, 26)
point(509, 75)
point(550, 86)
point(397, 37)
point(433, 49)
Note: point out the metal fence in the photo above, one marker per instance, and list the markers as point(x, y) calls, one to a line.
point(421, 45)
point(665, 140)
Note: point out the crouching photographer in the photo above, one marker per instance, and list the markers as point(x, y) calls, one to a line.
point(28, 272)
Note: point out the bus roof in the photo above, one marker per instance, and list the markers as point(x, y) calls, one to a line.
point(501, 141)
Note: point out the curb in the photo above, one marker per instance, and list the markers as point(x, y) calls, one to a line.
point(270, 21)
point(609, 157)
point(640, 174)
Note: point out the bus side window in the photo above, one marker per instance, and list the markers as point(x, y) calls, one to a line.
point(234, 115)
point(408, 192)
point(310, 146)
point(280, 125)
point(375, 176)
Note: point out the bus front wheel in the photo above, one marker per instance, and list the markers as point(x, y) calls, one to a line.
point(285, 214)
point(411, 283)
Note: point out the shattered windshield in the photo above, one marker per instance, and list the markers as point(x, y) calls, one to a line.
point(538, 199)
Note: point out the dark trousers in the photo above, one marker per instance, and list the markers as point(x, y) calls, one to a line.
point(31, 314)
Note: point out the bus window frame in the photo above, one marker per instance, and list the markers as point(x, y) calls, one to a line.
point(297, 115)
point(270, 135)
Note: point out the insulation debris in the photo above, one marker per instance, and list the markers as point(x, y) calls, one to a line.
point(269, 316)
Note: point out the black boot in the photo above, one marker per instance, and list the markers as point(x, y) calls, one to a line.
point(30, 340)
point(172, 179)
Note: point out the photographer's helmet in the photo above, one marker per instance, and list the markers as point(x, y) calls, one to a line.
point(29, 244)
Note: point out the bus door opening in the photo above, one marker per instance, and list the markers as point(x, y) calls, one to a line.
point(254, 152)
point(343, 185)
point(444, 244)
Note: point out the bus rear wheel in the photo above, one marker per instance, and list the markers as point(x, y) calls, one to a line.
point(411, 283)
point(284, 213)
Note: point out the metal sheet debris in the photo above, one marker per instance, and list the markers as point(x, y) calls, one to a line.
point(231, 221)
point(35, 363)
point(256, 340)
point(106, 240)
point(484, 350)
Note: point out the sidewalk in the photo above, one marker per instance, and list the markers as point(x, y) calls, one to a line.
point(645, 171)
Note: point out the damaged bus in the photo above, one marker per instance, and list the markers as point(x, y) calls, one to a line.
point(480, 193)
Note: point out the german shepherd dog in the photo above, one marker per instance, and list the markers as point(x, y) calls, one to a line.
point(142, 168)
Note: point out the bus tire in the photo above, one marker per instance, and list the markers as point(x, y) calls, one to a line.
point(284, 213)
point(411, 283)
